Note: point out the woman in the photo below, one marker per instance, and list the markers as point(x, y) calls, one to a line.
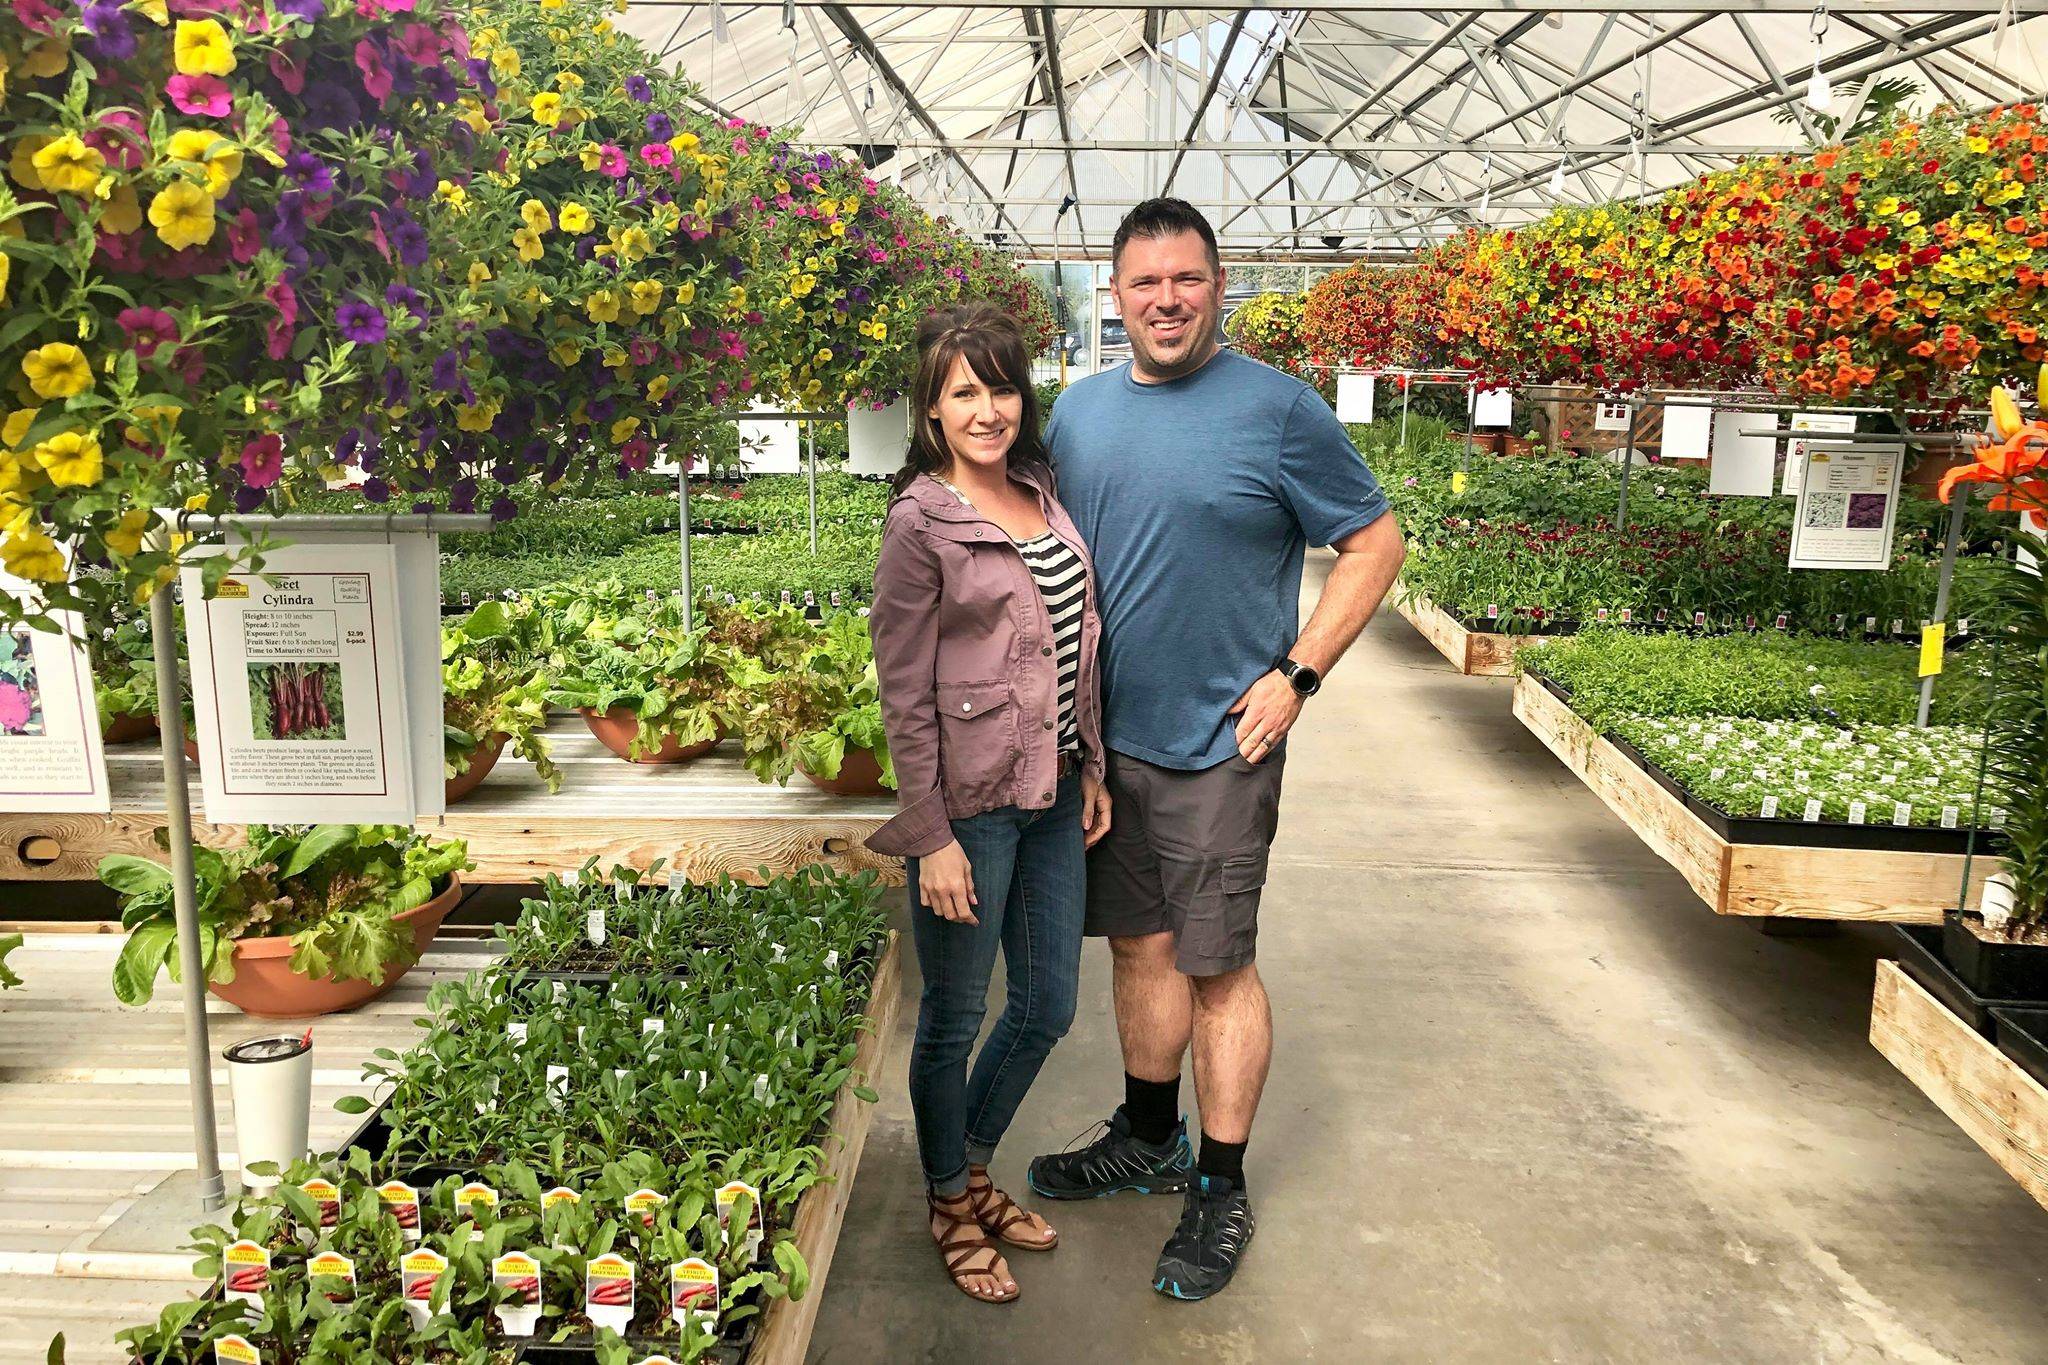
point(985, 633)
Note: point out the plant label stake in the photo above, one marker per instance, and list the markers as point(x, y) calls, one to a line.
point(402, 1202)
point(593, 922)
point(608, 1292)
point(234, 1349)
point(560, 1197)
point(333, 1275)
point(477, 1199)
point(693, 1291)
point(326, 1197)
point(1902, 813)
point(245, 1273)
point(644, 1202)
point(418, 1273)
point(558, 1084)
point(728, 1199)
point(519, 1273)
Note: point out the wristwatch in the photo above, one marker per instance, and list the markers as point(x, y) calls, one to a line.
point(1305, 680)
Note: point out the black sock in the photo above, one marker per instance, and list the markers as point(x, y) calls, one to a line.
point(1153, 1107)
point(1222, 1158)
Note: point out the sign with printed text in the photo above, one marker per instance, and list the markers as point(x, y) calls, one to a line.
point(1848, 502)
point(332, 1274)
point(326, 1197)
point(419, 1273)
point(728, 1200)
point(1838, 423)
point(517, 1273)
point(245, 1271)
point(402, 1202)
point(299, 703)
point(1688, 431)
point(608, 1291)
point(1611, 415)
point(1492, 407)
point(693, 1290)
point(769, 446)
point(234, 1349)
point(1354, 397)
point(50, 754)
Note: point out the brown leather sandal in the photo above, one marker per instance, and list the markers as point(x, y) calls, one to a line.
point(999, 1215)
point(956, 1251)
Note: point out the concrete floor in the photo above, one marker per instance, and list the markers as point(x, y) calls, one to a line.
point(1531, 1101)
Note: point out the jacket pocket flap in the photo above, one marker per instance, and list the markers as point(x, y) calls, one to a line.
point(966, 532)
point(973, 698)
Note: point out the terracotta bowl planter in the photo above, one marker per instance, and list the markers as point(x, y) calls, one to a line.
point(266, 987)
point(127, 728)
point(860, 774)
point(481, 760)
point(1517, 446)
point(191, 749)
point(615, 730)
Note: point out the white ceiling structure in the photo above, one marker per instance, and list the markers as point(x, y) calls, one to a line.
point(1327, 129)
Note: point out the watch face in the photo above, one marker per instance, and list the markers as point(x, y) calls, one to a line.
point(1306, 680)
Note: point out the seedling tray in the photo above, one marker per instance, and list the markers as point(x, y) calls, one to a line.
point(1921, 955)
point(2022, 1034)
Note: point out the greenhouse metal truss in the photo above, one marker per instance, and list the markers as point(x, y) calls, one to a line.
point(1334, 129)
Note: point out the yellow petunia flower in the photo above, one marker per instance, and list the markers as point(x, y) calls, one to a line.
point(646, 296)
point(567, 353)
point(478, 273)
point(16, 426)
point(123, 213)
point(574, 217)
point(48, 57)
point(221, 160)
point(686, 293)
point(202, 48)
point(592, 155)
point(56, 370)
point(28, 553)
point(657, 388)
point(156, 11)
point(624, 429)
point(72, 459)
point(68, 165)
point(125, 538)
point(182, 214)
point(547, 108)
point(478, 416)
point(534, 214)
point(529, 244)
point(21, 164)
point(505, 61)
point(602, 306)
point(454, 195)
point(634, 244)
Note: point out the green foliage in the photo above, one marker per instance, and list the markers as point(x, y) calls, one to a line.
point(493, 683)
point(2017, 715)
point(335, 890)
point(8, 978)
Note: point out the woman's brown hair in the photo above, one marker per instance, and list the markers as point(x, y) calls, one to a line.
point(993, 345)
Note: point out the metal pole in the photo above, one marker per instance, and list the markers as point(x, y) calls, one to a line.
point(1958, 506)
point(191, 970)
point(1628, 460)
point(1471, 424)
point(811, 459)
point(689, 605)
point(1406, 380)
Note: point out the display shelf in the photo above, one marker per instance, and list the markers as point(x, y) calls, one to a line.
point(1983, 1091)
point(706, 816)
point(1798, 881)
point(1475, 653)
point(786, 1326)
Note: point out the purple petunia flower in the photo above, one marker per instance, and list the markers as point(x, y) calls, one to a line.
point(660, 127)
point(312, 172)
point(406, 297)
point(639, 89)
point(112, 38)
point(376, 490)
point(345, 446)
point(447, 372)
point(397, 388)
point(601, 409)
point(312, 11)
point(503, 508)
point(462, 497)
point(361, 322)
point(409, 240)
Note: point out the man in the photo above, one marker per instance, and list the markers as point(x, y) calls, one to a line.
point(1198, 477)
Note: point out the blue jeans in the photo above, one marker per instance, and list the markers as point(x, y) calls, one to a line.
point(1029, 876)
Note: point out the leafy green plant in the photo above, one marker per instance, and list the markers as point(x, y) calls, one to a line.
point(8, 978)
point(334, 890)
point(493, 683)
point(811, 714)
point(675, 682)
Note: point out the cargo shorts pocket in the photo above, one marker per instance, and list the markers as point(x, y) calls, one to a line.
point(1219, 929)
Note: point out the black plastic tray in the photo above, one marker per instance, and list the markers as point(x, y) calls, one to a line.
point(2022, 1035)
point(1920, 954)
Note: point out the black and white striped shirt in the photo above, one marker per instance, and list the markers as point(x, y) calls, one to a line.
point(1063, 583)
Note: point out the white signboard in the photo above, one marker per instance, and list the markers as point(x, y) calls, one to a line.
point(769, 447)
point(1743, 465)
point(1493, 407)
point(1611, 415)
point(298, 692)
point(1354, 397)
point(1795, 451)
point(50, 756)
point(876, 442)
point(1848, 500)
point(1688, 431)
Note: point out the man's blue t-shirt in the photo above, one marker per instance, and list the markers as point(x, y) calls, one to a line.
point(1197, 498)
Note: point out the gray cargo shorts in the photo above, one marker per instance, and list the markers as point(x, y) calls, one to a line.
point(1186, 855)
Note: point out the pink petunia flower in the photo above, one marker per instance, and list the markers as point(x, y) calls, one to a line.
point(658, 155)
point(290, 75)
point(376, 75)
point(611, 159)
point(421, 44)
point(35, 14)
point(120, 139)
point(147, 329)
point(263, 460)
point(207, 95)
point(245, 239)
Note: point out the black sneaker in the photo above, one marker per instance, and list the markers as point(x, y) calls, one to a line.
point(1215, 1228)
point(1116, 1161)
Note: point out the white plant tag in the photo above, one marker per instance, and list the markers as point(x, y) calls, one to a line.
point(1857, 811)
point(477, 1198)
point(1902, 813)
point(644, 1202)
point(761, 1089)
point(593, 925)
point(1716, 774)
point(402, 1202)
point(608, 1292)
point(1949, 816)
point(1770, 807)
point(728, 1198)
point(326, 1197)
point(245, 1273)
point(418, 1272)
point(516, 1030)
point(235, 1349)
point(518, 1272)
point(332, 1274)
point(558, 1084)
point(693, 1289)
point(1812, 811)
point(650, 1026)
point(573, 877)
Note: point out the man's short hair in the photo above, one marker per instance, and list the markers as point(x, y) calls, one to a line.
point(1163, 218)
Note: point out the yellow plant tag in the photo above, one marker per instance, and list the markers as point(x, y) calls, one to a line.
point(1457, 481)
point(1930, 648)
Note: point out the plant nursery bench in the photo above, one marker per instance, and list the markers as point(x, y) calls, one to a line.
point(1475, 653)
point(1771, 880)
point(705, 816)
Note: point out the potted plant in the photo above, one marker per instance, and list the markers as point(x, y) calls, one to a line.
point(124, 681)
point(2000, 949)
point(650, 695)
point(300, 920)
point(1520, 446)
point(823, 717)
point(493, 694)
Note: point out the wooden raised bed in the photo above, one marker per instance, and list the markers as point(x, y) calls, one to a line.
point(785, 1334)
point(1475, 653)
point(1796, 881)
point(1983, 1091)
point(705, 817)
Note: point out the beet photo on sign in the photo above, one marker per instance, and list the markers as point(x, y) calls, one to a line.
point(296, 699)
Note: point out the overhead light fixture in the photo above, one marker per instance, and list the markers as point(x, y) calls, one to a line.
point(873, 154)
point(1333, 242)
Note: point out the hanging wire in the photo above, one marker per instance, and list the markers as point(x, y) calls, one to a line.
point(1819, 94)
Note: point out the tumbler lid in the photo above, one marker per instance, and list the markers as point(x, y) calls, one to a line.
point(282, 1048)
